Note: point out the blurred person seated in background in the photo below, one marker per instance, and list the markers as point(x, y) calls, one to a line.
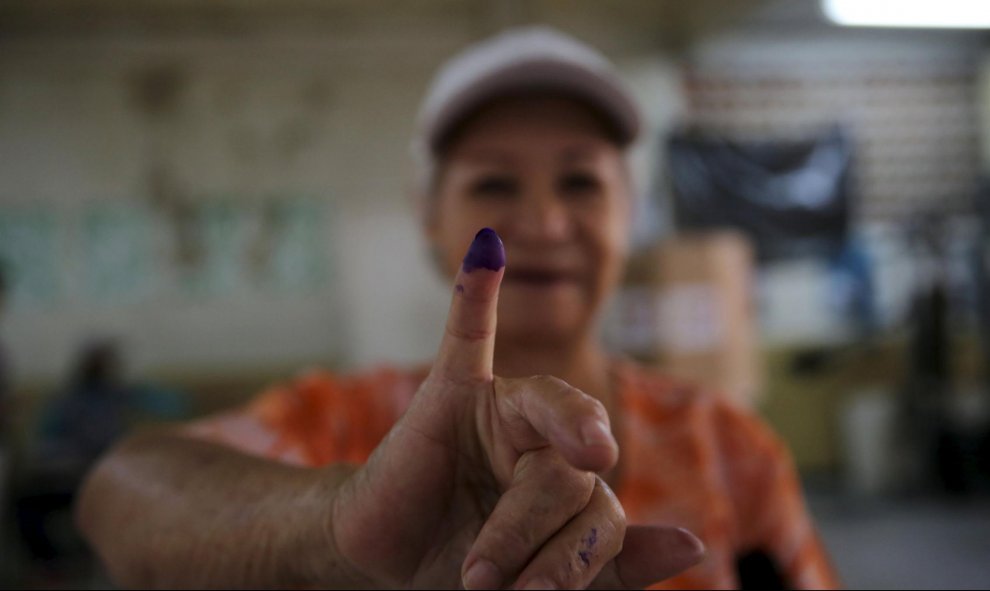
point(82, 421)
point(499, 464)
point(4, 408)
point(75, 428)
point(94, 410)
point(4, 369)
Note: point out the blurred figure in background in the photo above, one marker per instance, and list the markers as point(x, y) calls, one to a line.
point(95, 408)
point(5, 405)
point(88, 416)
point(79, 424)
point(4, 373)
point(4, 370)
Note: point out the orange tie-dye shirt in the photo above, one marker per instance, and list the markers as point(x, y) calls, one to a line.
point(689, 459)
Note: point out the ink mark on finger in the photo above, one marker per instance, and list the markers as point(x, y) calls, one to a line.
point(486, 252)
point(459, 288)
point(589, 543)
point(592, 538)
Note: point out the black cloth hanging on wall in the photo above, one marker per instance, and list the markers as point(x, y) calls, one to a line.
point(791, 197)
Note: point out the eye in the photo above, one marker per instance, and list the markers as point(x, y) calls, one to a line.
point(494, 186)
point(579, 184)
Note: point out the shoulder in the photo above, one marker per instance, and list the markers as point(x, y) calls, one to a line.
point(317, 416)
point(315, 391)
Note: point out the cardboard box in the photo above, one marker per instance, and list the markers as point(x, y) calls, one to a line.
point(688, 307)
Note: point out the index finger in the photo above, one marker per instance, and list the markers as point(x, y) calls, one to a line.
point(468, 346)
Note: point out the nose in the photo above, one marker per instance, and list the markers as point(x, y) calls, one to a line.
point(543, 218)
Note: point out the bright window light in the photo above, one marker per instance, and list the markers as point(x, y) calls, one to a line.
point(956, 14)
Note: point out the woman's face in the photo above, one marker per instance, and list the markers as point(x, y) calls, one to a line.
point(544, 174)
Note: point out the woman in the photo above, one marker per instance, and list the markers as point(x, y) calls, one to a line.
point(474, 472)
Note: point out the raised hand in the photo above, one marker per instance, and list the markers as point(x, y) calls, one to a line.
point(488, 482)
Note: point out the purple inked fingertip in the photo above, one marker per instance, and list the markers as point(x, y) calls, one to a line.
point(486, 252)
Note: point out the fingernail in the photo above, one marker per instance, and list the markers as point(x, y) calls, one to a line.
point(482, 575)
point(540, 584)
point(596, 432)
point(486, 252)
point(694, 547)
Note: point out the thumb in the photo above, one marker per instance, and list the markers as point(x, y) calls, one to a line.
point(651, 554)
point(468, 344)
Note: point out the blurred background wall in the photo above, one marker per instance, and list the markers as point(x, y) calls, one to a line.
point(225, 188)
point(217, 183)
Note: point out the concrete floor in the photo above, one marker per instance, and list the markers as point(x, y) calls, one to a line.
point(906, 544)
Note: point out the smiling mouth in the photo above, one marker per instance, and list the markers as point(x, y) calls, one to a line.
point(538, 278)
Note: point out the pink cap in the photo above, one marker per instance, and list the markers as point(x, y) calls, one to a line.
point(518, 60)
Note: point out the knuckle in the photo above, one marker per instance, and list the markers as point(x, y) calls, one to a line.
point(595, 406)
point(556, 388)
point(548, 383)
point(610, 500)
point(517, 535)
point(613, 510)
point(603, 541)
point(582, 565)
point(578, 562)
point(513, 390)
point(600, 544)
point(443, 383)
point(472, 334)
point(577, 496)
point(572, 488)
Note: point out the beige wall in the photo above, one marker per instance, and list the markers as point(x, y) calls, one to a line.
point(983, 110)
point(199, 141)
